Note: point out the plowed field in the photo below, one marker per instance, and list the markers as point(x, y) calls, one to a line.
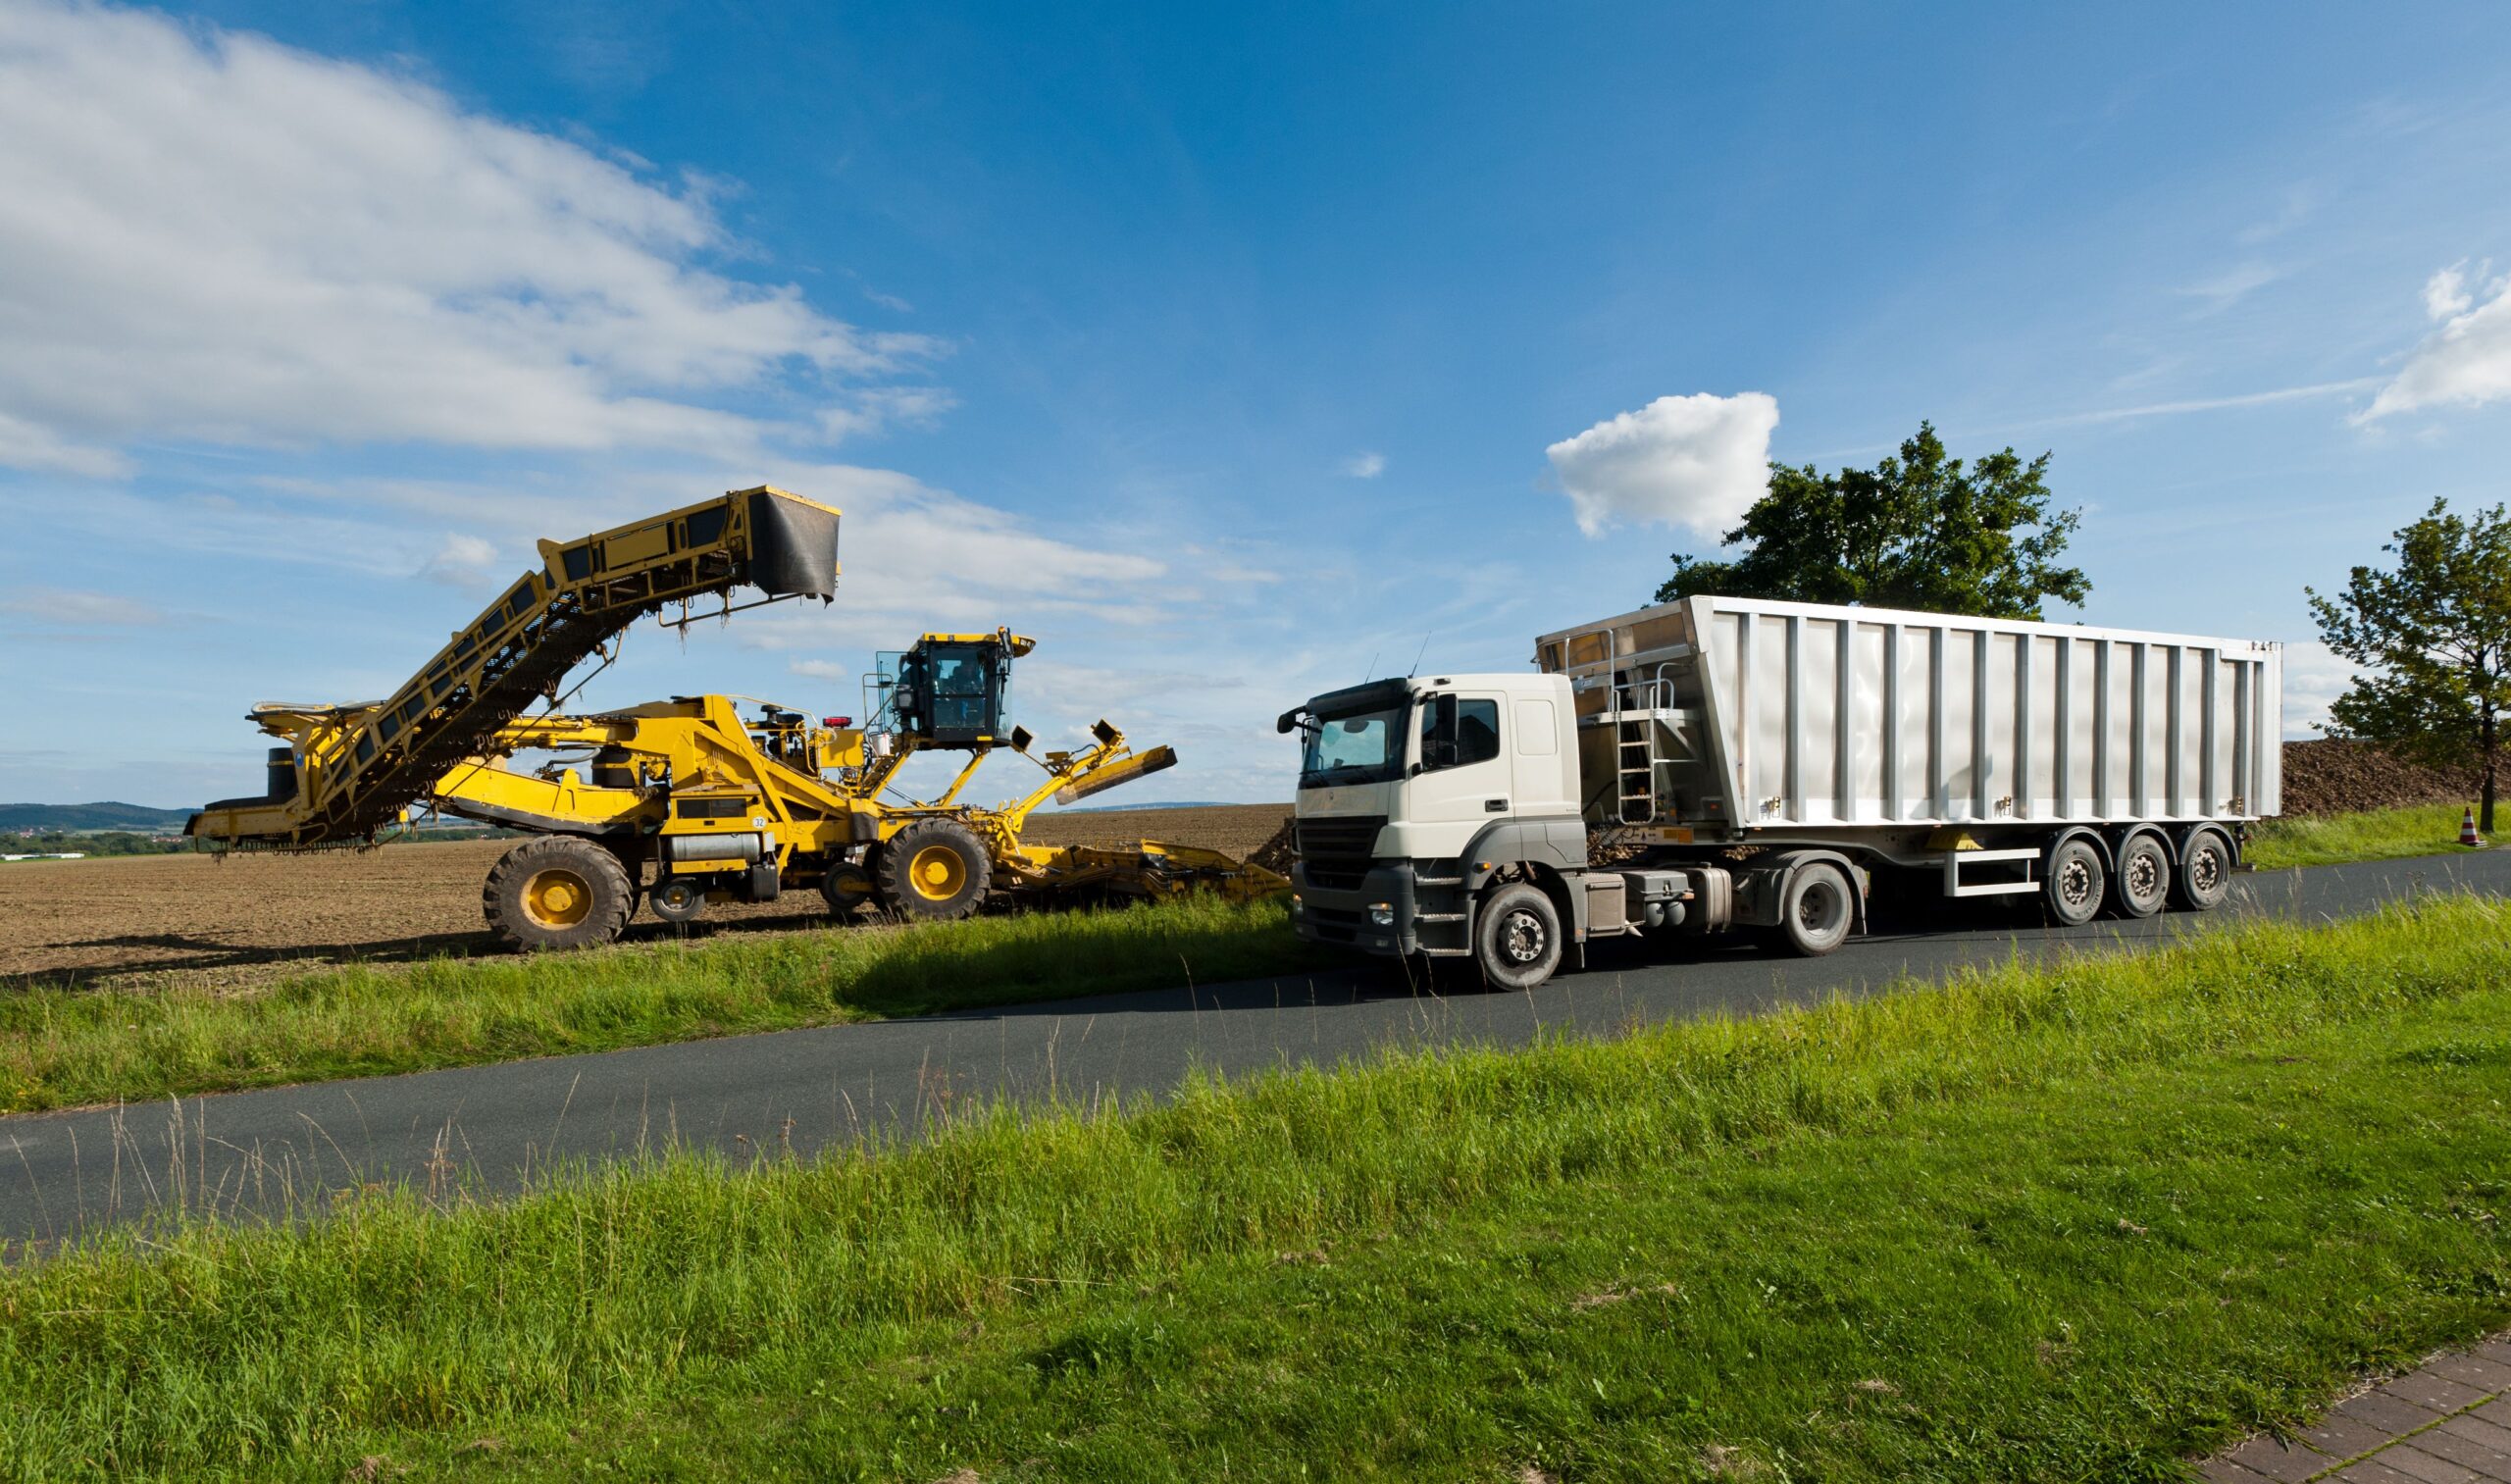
point(248, 917)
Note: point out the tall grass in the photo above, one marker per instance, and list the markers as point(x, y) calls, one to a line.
point(396, 1320)
point(2326, 840)
point(63, 1047)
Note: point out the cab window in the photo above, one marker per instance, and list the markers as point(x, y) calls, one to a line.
point(1459, 732)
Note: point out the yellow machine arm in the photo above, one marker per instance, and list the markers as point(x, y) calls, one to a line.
point(350, 771)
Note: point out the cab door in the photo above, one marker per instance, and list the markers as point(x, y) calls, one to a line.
point(1462, 777)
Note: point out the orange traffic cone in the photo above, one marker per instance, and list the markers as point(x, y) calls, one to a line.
point(2467, 830)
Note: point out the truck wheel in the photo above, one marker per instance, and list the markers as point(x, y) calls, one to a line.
point(2144, 878)
point(1516, 937)
point(677, 899)
point(2075, 885)
point(846, 887)
point(2205, 875)
point(935, 869)
point(557, 892)
point(1815, 910)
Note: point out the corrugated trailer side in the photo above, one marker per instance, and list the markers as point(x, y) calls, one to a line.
point(1823, 717)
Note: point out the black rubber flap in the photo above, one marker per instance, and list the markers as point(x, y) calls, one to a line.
point(793, 547)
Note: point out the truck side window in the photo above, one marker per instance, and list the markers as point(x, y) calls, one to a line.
point(1457, 731)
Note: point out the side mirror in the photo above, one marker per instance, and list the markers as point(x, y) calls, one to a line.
point(1021, 736)
point(1437, 752)
point(1287, 721)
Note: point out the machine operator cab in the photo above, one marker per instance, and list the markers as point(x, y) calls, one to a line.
point(949, 691)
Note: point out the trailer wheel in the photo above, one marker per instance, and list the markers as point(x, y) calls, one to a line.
point(557, 892)
point(1516, 937)
point(1815, 909)
point(2075, 885)
point(935, 869)
point(2144, 876)
point(677, 899)
point(2205, 875)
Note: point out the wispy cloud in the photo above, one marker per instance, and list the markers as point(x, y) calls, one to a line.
point(2208, 404)
point(1364, 466)
point(2232, 285)
point(206, 237)
point(63, 605)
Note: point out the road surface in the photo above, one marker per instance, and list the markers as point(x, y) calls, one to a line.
point(494, 1128)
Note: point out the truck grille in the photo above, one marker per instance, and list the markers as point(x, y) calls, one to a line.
point(1336, 849)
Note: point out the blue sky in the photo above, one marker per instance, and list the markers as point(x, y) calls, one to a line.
point(1230, 352)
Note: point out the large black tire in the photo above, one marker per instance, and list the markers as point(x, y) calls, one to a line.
point(2205, 875)
point(2076, 884)
point(845, 887)
point(557, 892)
point(1817, 909)
point(935, 869)
point(1516, 937)
point(2142, 881)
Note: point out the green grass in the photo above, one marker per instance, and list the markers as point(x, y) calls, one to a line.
point(62, 1048)
point(2324, 840)
point(2063, 1222)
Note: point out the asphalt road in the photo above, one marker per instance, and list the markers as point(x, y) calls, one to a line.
point(493, 1128)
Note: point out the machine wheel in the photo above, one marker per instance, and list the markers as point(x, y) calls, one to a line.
point(677, 899)
point(2075, 885)
point(557, 892)
point(1815, 910)
point(2143, 882)
point(2205, 875)
point(934, 868)
point(1516, 937)
point(846, 887)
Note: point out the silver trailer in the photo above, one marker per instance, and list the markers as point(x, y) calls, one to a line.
point(1724, 763)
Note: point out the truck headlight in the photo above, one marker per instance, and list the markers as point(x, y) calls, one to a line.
point(1381, 914)
point(1296, 905)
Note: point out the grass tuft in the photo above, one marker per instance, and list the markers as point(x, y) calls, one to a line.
point(2324, 840)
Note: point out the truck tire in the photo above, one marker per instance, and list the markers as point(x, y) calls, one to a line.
point(1817, 908)
point(1516, 937)
point(2076, 886)
point(677, 899)
point(2205, 875)
point(845, 887)
point(2144, 880)
point(557, 892)
point(935, 869)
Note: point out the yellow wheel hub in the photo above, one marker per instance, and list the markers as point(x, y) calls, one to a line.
point(937, 873)
point(557, 898)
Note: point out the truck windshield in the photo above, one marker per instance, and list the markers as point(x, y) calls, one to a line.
point(1363, 747)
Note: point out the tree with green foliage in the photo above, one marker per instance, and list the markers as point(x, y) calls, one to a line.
point(1921, 530)
point(2430, 640)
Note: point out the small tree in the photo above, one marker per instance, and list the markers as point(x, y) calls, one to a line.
point(2430, 640)
point(1919, 531)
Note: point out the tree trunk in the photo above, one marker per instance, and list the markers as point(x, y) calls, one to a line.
point(2493, 757)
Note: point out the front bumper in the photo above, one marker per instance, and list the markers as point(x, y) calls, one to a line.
point(1340, 916)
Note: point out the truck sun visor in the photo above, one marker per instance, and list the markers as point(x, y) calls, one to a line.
point(793, 547)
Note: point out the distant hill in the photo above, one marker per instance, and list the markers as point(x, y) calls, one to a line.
point(75, 818)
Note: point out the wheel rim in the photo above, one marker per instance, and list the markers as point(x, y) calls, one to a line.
point(2206, 871)
point(1522, 937)
point(2074, 880)
point(2144, 876)
point(1817, 910)
point(557, 897)
point(677, 897)
point(936, 873)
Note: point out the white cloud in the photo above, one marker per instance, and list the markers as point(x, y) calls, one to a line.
point(2464, 363)
point(1697, 462)
point(821, 669)
point(2314, 678)
point(68, 606)
point(1364, 465)
point(209, 236)
point(461, 561)
point(2232, 285)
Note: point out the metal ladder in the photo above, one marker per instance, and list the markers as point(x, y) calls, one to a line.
point(1635, 759)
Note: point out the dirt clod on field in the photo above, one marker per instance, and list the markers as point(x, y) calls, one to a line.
point(252, 918)
point(2336, 776)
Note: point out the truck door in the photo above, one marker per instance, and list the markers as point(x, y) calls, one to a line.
point(1464, 776)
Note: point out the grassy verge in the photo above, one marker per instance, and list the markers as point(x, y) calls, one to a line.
point(2326, 839)
point(2063, 1222)
point(63, 1047)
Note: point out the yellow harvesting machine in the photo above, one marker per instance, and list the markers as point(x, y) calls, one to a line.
point(677, 803)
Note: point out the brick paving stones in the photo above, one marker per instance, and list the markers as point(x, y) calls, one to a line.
point(2447, 1422)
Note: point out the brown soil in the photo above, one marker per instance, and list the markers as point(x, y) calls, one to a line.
point(2333, 777)
point(243, 919)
